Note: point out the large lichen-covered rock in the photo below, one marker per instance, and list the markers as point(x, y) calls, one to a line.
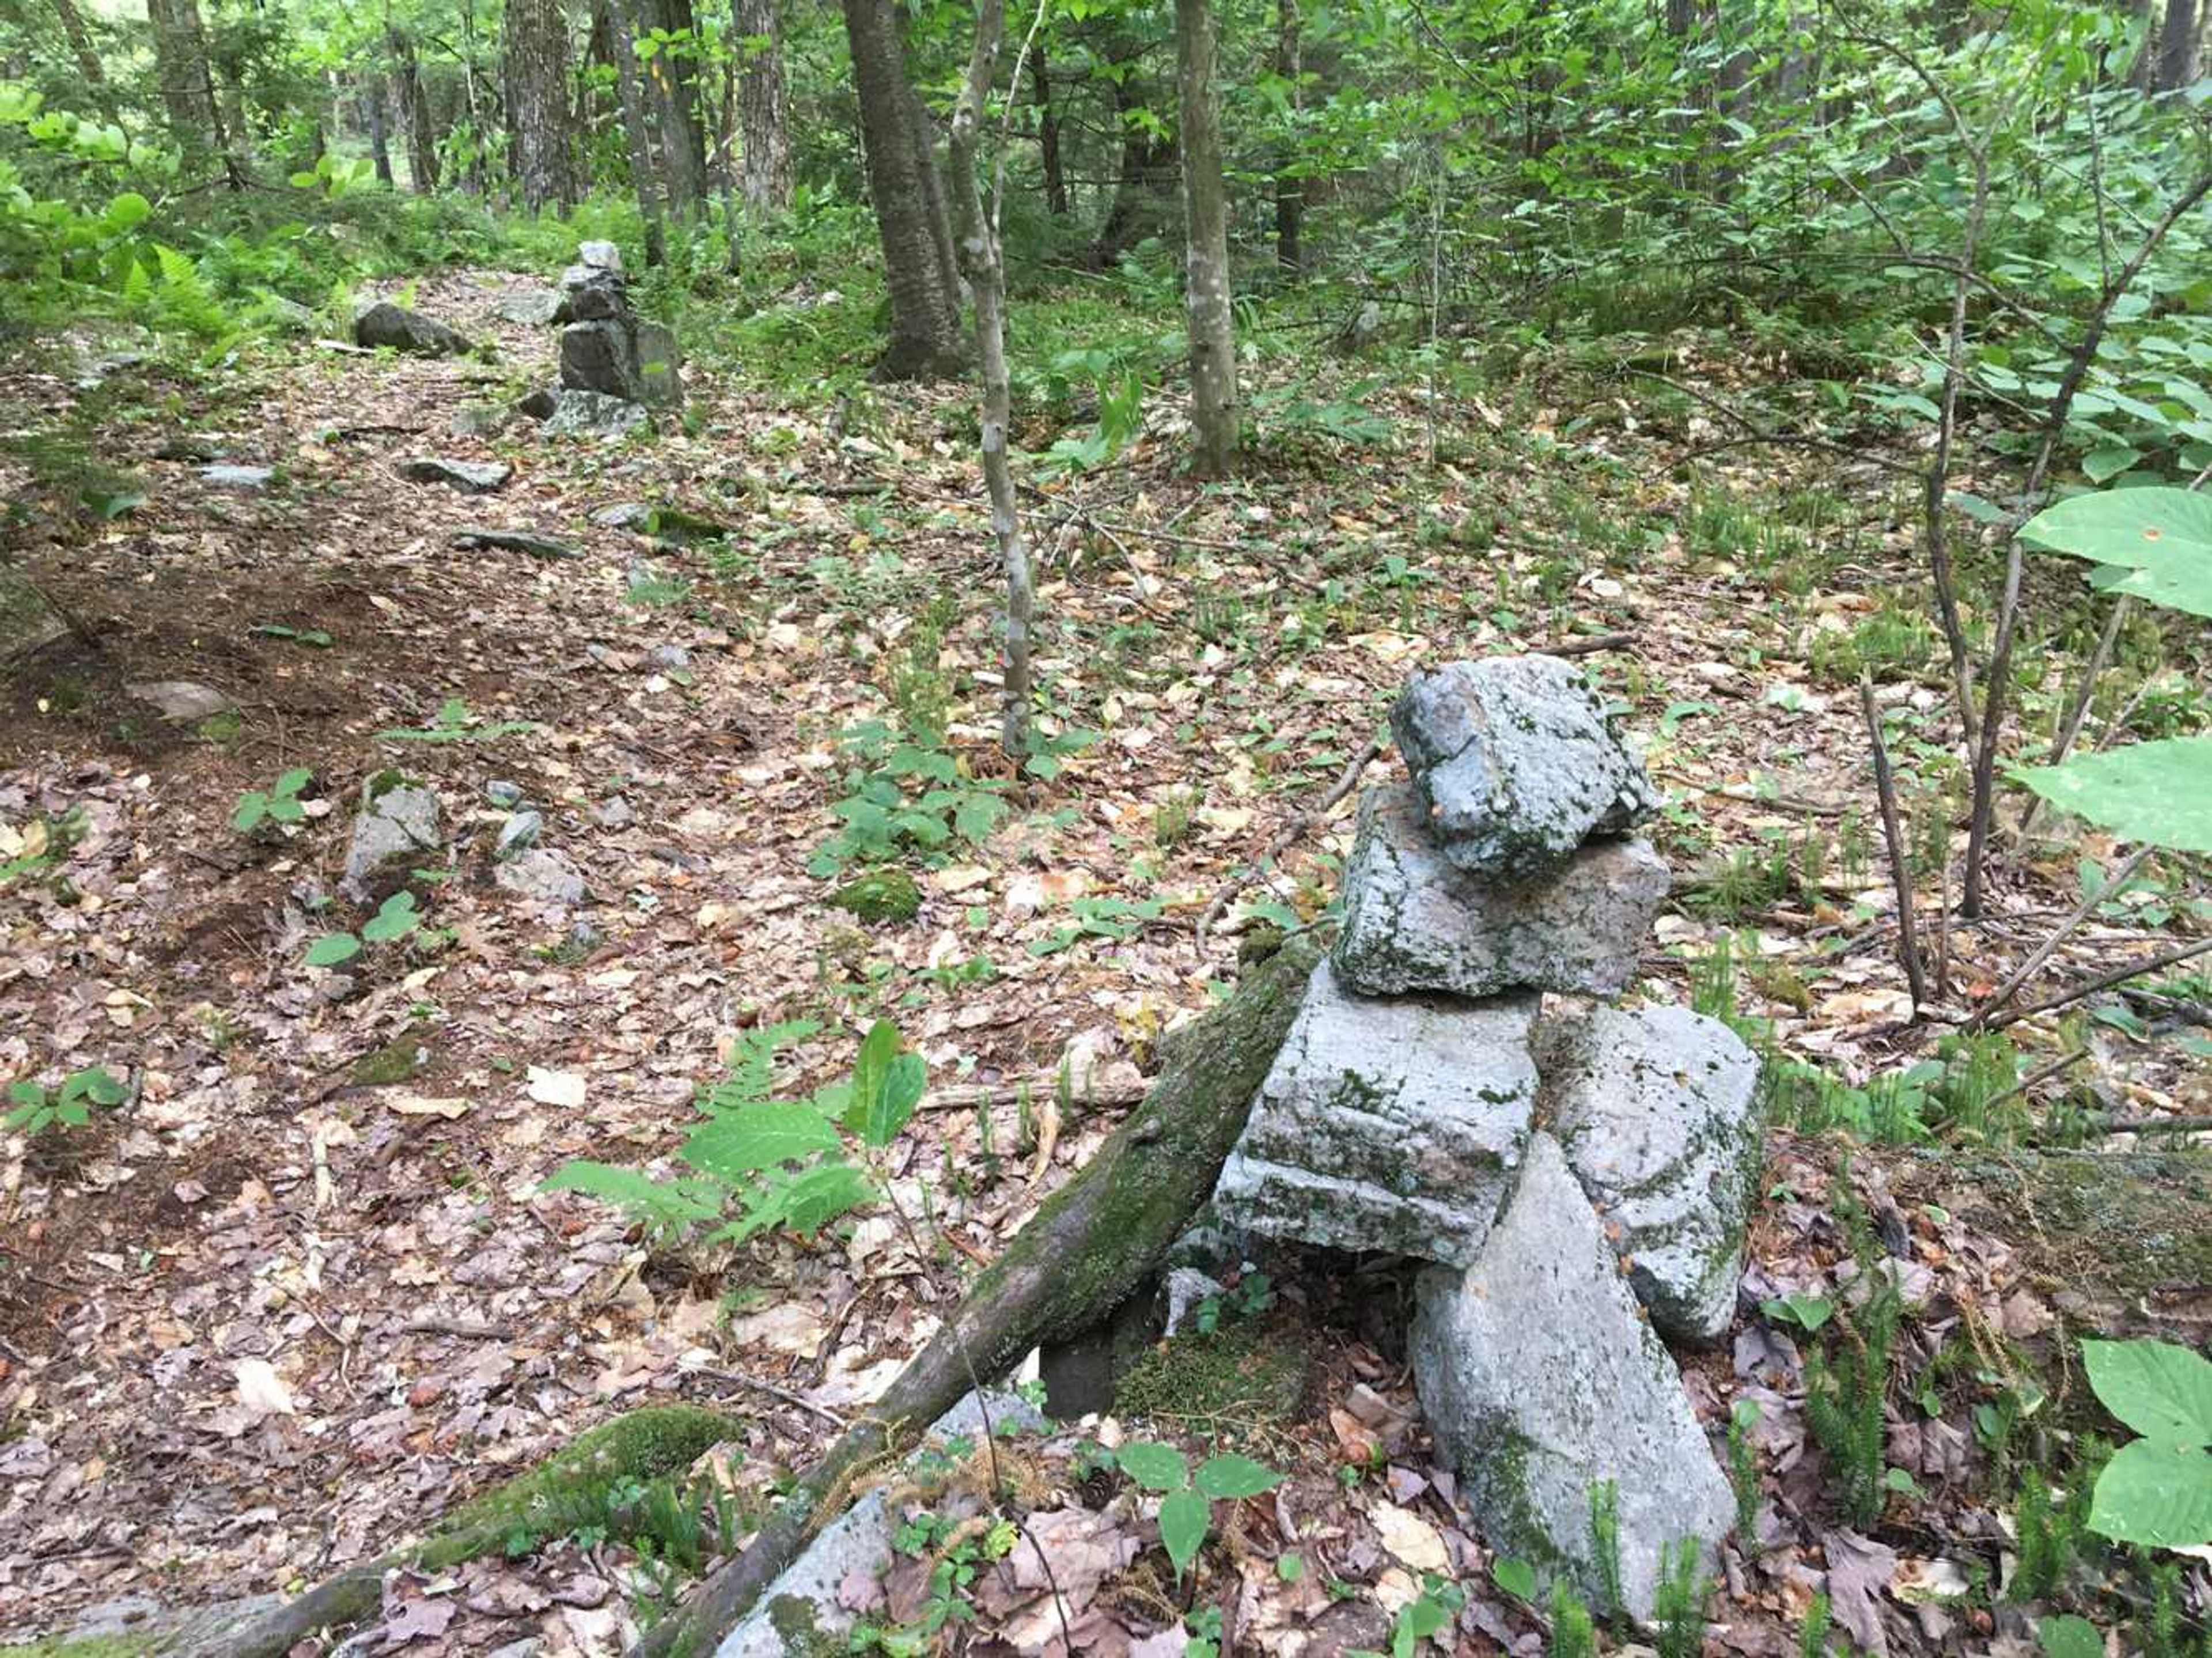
point(1541, 1381)
point(1392, 1124)
point(1657, 1110)
point(387, 324)
point(580, 414)
point(1516, 763)
point(1412, 922)
point(395, 830)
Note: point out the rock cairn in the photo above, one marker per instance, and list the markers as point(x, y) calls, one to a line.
point(614, 365)
point(1579, 1176)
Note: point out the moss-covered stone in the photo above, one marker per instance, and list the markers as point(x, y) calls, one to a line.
point(881, 895)
point(399, 1060)
point(1244, 1378)
point(642, 1444)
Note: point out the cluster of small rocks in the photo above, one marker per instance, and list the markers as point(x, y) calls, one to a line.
point(1579, 1176)
point(615, 366)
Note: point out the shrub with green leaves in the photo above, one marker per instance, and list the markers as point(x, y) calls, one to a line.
point(903, 796)
point(277, 803)
point(2157, 1489)
point(36, 1109)
point(1188, 1495)
point(759, 1162)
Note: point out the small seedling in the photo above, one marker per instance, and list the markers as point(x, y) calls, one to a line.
point(279, 804)
point(395, 918)
point(1186, 1509)
point(37, 1109)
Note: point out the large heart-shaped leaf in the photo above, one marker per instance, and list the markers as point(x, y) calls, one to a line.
point(1230, 1475)
point(2157, 792)
point(2161, 538)
point(1156, 1467)
point(2154, 1492)
point(1184, 1520)
point(2162, 1391)
point(331, 948)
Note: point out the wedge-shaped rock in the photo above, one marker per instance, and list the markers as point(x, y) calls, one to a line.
point(1387, 1125)
point(1542, 1381)
point(387, 324)
point(1412, 922)
point(1516, 763)
point(395, 830)
point(1658, 1111)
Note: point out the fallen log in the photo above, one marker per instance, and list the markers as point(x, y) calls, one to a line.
point(1091, 1245)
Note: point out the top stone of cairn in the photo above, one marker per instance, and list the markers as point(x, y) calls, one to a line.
point(1516, 764)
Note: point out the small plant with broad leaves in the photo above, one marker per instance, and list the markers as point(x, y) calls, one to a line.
point(456, 724)
point(395, 918)
point(2157, 1489)
point(901, 795)
point(33, 1109)
point(758, 1162)
point(279, 803)
point(1187, 1495)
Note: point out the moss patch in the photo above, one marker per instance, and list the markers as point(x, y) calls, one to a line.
point(882, 894)
point(400, 1060)
point(1244, 1378)
point(104, 1646)
point(641, 1444)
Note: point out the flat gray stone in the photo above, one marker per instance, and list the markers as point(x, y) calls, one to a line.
point(475, 477)
point(1657, 1110)
point(1516, 763)
point(624, 515)
point(1540, 1379)
point(520, 831)
point(230, 477)
point(28, 622)
point(1412, 921)
point(479, 420)
point(389, 325)
point(600, 256)
point(659, 365)
point(515, 541)
point(529, 307)
point(185, 700)
point(542, 875)
point(395, 830)
point(582, 414)
point(1392, 1124)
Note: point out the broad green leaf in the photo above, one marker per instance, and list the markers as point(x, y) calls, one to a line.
point(2069, 1638)
point(96, 1082)
point(26, 1093)
point(810, 1200)
point(2157, 792)
point(1515, 1576)
point(870, 1067)
point(252, 807)
point(1184, 1520)
point(293, 781)
point(896, 1095)
point(1156, 1467)
point(1419, 1618)
point(331, 948)
point(2101, 465)
point(2161, 538)
point(2154, 1493)
point(1232, 1476)
point(759, 1137)
point(2162, 1391)
point(395, 918)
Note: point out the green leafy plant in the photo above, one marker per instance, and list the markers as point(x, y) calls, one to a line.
point(279, 804)
point(1678, 1601)
point(1515, 1576)
point(1743, 1472)
point(1427, 1616)
point(36, 1108)
point(455, 724)
point(1574, 1635)
point(1844, 1388)
point(1812, 1635)
point(394, 920)
point(904, 795)
point(2156, 1489)
point(1188, 1496)
point(1604, 1543)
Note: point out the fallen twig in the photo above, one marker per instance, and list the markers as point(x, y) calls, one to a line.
point(1908, 942)
point(2103, 981)
point(2019, 975)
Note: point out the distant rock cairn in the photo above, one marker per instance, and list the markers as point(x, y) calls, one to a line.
point(1579, 1176)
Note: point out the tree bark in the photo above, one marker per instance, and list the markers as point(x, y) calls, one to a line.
point(1093, 1245)
point(413, 113)
point(1146, 174)
point(537, 104)
point(673, 79)
point(379, 139)
point(925, 334)
point(180, 72)
point(763, 107)
point(1055, 175)
point(1290, 182)
point(80, 42)
point(2177, 47)
point(932, 188)
point(1213, 409)
point(635, 127)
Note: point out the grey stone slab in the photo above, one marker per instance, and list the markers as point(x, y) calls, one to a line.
point(185, 700)
point(1517, 764)
point(580, 414)
point(475, 477)
point(1414, 921)
point(1657, 1110)
point(1391, 1124)
point(543, 875)
point(1540, 1379)
point(28, 622)
point(395, 830)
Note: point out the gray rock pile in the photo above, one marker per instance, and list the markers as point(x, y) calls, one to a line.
point(1579, 1177)
point(614, 364)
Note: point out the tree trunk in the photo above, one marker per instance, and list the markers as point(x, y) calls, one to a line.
point(763, 107)
point(1055, 176)
point(379, 142)
point(2177, 47)
point(1093, 1245)
point(413, 113)
point(537, 104)
point(1146, 175)
point(1290, 182)
point(634, 129)
point(80, 42)
point(180, 72)
point(673, 79)
point(932, 188)
point(925, 342)
point(1213, 412)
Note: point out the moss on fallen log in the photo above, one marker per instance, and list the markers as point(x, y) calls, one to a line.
point(1091, 1246)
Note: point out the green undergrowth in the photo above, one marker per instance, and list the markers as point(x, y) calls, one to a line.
point(653, 1442)
point(1246, 1378)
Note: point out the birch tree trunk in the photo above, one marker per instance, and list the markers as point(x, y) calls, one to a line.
point(1213, 410)
point(982, 263)
point(764, 107)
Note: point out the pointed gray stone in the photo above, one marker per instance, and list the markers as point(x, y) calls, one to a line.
point(395, 830)
point(1657, 1110)
point(1412, 922)
point(600, 354)
point(659, 365)
point(1392, 1124)
point(1516, 763)
point(1540, 1379)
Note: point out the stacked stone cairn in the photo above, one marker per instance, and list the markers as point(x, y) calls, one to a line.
point(1457, 1089)
point(614, 365)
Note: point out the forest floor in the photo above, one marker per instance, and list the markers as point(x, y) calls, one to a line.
point(302, 1293)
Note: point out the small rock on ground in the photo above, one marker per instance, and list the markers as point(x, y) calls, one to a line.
point(237, 477)
point(395, 829)
point(186, 700)
point(387, 324)
point(543, 877)
point(476, 477)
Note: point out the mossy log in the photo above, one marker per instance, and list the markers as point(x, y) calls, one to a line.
point(1091, 1245)
point(647, 1443)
